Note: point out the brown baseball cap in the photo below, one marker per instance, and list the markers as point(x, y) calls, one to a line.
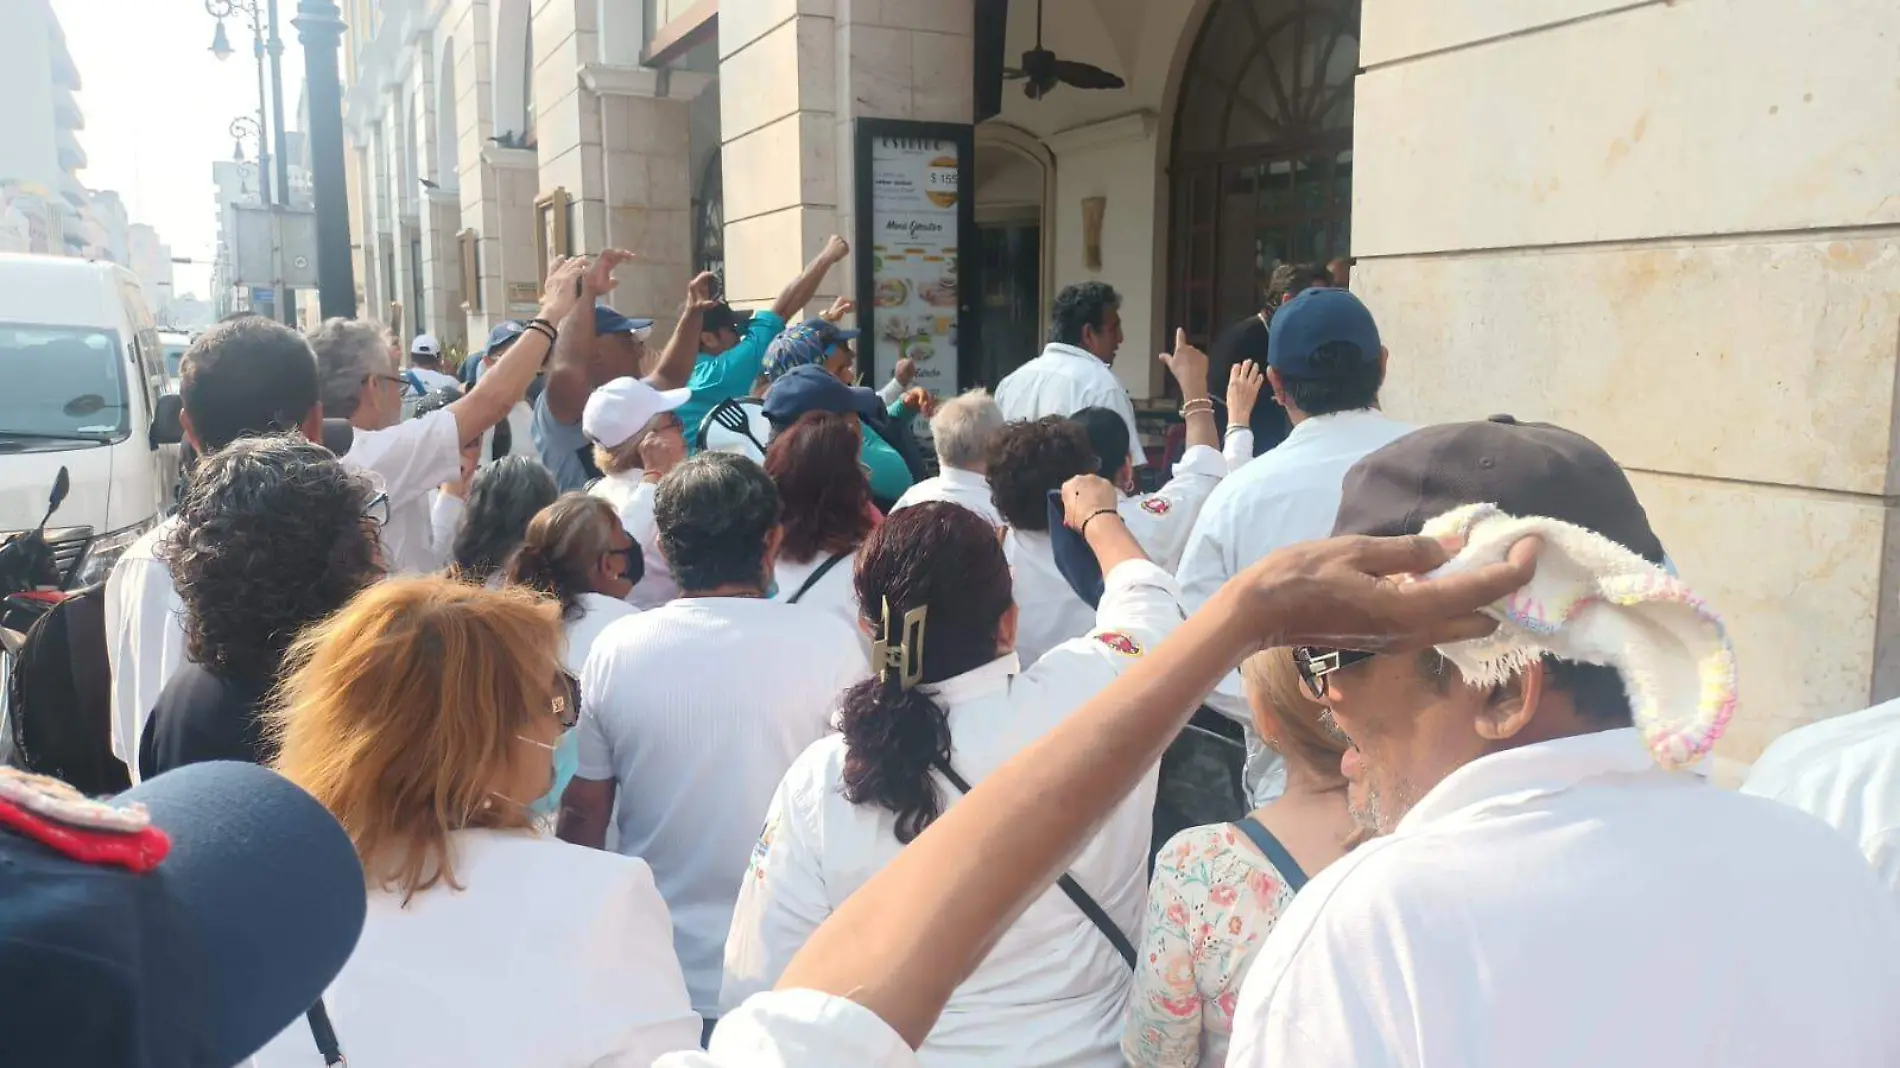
point(1526, 469)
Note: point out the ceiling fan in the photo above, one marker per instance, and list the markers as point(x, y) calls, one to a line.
point(1042, 70)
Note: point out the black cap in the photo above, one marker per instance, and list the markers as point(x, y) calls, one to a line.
point(200, 961)
point(721, 316)
point(1526, 469)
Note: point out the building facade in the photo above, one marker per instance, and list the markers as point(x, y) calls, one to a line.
point(43, 204)
point(1669, 224)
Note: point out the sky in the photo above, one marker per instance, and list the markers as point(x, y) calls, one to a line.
point(158, 110)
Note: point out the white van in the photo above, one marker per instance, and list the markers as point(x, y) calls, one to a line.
point(82, 386)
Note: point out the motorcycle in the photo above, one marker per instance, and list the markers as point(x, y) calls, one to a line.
point(30, 585)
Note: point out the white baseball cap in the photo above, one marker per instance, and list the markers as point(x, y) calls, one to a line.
point(425, 345)
point(622, 408)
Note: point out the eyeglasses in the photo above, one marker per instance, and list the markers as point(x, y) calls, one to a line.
point(376, 509)
point(1315, 664)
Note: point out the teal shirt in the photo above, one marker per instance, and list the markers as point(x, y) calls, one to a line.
point(729, 375)
point(890, 476)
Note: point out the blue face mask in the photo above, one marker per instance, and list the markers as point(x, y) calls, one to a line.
point(567, 759)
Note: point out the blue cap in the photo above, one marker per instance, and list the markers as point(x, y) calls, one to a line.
point(1074, 559)
point(808, 343)
point(502, 336)
point(1312, 320)
point(608, 321)
point(202, 960)
point(814, 389)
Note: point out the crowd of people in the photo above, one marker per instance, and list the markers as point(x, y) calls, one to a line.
point(785, 747)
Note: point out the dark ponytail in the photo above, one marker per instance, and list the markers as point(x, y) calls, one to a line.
point(947, 560)
point(563, 541)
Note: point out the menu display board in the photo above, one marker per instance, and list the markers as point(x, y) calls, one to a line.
point(912, 224)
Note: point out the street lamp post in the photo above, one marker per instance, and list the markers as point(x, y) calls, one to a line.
point(320, 28)
point(261, 47)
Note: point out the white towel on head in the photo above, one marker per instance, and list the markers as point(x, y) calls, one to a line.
point(1594, 601)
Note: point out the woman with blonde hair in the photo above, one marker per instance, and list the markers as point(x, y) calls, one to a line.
point(1219, 889)
point(425, 716)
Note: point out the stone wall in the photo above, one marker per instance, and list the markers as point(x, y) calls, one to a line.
point(1670, 226)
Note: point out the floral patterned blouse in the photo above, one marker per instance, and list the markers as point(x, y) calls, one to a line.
point(1212, 903)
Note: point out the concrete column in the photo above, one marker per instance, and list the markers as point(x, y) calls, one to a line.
point(647, 183)
point(1700, 269)
point(567, 116)
point(483, 169)
point(791, 84)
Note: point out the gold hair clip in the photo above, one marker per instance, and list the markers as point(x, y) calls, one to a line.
point(907, 657)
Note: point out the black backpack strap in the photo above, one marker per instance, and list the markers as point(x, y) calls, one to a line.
point(1275, 853)
point(1096, 914)
point(812, 579)
point(320, 1029)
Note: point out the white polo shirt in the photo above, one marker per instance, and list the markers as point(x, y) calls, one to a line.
point(1052, 990)
point(1287, 496)
point(799, 1029)
point(1846, 770)
point(835, 592)
point(695, 709)
point(1161, 521)
point(957, 486)
point(1571, 904)
point(439, 982)
point(1048, 612)
point(145, 637)
point(413, 458)
point(1063, 381)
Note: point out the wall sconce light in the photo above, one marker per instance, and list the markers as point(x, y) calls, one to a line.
point(1094, 209)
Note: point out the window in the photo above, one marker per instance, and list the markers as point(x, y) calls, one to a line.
point(1262, 169)
point(63, 383)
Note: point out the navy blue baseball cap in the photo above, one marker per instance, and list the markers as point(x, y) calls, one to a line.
point(502, 336)
point(608, 321)
point(1316, 318)
point(200, 961)
point(813, 389)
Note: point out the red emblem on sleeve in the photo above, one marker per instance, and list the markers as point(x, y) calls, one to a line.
point(1156, 506)
point(1119, 642)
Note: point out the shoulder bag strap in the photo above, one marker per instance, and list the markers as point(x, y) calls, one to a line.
point(812, 579)
point(1096, 914)
point(1275, 853)
point(320, 1029)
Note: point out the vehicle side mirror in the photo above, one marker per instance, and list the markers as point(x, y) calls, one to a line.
point(62, 484)
point(168, 427)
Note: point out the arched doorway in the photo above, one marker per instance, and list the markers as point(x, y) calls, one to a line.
point(1262, 159)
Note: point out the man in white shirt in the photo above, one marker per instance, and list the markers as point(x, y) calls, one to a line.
point(1545, 892)
point(249, 377)
point(1846, 770)
point(1162, 520)
point(1325, 367)
point(961, 431)
point(425, 372)
point(1074, 371)
point(1028, 461)
point(693, 711)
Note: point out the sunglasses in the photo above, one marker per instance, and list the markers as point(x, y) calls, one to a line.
point(1315, 664)
point(376, 510)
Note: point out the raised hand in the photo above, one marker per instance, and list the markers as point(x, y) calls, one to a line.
point(1244, 384)
point(1084, 496)
point(1366, 593)
point(699, 292)
point(600, 278)
point(840, 308)
point(1188, 365)
point(836, 249)
point(558, 293)
point(906, 372)
point(921, 400)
